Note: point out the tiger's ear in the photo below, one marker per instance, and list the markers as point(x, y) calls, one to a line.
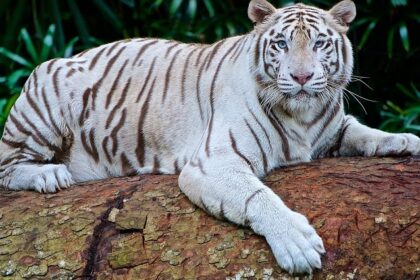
point(344, 12)
point(259, 10)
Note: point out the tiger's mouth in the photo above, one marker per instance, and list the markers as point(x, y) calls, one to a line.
point(302, 95)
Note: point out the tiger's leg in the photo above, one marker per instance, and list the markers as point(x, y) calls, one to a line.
point(227, 188)
point(357, 139)
point(34, 145)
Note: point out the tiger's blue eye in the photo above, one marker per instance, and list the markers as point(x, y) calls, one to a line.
point(319, 44)
point(282, 44)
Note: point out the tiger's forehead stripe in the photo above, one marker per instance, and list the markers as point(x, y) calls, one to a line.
point(303, 16)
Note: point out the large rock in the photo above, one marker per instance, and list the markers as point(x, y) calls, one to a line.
point(366, 211)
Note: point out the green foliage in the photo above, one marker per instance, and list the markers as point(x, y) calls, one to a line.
point(394, 16)
point(384, 36)
point(405, 119)
point(22, 64)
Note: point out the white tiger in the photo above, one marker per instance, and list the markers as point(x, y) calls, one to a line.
point(222, 115)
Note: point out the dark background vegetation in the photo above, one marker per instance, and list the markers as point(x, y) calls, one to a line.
point(385, 36)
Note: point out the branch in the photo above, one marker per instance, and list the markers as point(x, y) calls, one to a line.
point(366, 211)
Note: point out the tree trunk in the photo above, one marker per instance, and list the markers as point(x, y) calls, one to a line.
point(366, 211)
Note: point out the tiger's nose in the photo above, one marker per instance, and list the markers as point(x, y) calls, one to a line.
point(302, 77)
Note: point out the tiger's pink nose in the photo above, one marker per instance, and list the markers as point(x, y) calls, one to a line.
point(302, 78)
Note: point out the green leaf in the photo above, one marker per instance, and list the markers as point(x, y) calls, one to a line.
point(129, 3)
point(109, 14)
point(29, 45)
point(415, 110)
point(366, 34)
point(219, 32)
point(414, 127)
point(14, 78)
point(17, 18)
point(406, 91)
point(210, 8)
point(80, 22)
point(47, 43)
point(192, 9)
point(404, 36)
point(231, 28)
point(399, 3)
point(3, 103)
point(157, 3)
point(16, 58)
point(10, 103)
point(68, 50)
point(415, 17)
point(416, 90)
point(394, 107)
point(60, 40)
point(388, 124)
point(360, 22)
point(175, 4)
point(390, 42)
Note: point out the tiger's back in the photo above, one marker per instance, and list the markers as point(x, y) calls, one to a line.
point(129, 107)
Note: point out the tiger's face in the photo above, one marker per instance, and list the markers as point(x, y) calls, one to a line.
point(305, 54)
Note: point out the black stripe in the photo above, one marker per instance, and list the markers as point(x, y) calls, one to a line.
point(168, 51)
point(248, 200)
point(280, 130)
point(119, 104)
point(142, 50)
point(39, 114)
point(262, 127)
point(168, 75)
point(108, 67)
point(115, 84)
point(328, 121)
point(146, 80)
point(141, 142)
point(90, 147)
point(51, 64)
point(236, 150)
point(95, 58)
point(204, 206)
point(105, 148)
point(184, 73)
point(211, 97)
point(264, 156)
point(55, 81)
point(115, 130)
point(214, 52)
point(240, 49)
point(257, 52)
point(343, 49)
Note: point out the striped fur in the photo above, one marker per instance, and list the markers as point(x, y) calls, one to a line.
point(221, 115)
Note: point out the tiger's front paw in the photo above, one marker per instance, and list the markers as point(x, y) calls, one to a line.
point(52, 179)
point(397, 144)
point(295, 244)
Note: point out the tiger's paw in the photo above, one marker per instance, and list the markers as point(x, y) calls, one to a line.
point(397, 144)
point(52, 178)
point(46, 178)
point(296, 245)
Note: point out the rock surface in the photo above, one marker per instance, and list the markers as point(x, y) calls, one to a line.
point(366, 210)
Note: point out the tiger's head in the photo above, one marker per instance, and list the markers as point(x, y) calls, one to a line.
point(302, 54)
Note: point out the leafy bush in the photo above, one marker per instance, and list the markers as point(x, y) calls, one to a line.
point(405, 119)
point(21, 67)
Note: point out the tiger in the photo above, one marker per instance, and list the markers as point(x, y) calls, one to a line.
point(220, 115)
